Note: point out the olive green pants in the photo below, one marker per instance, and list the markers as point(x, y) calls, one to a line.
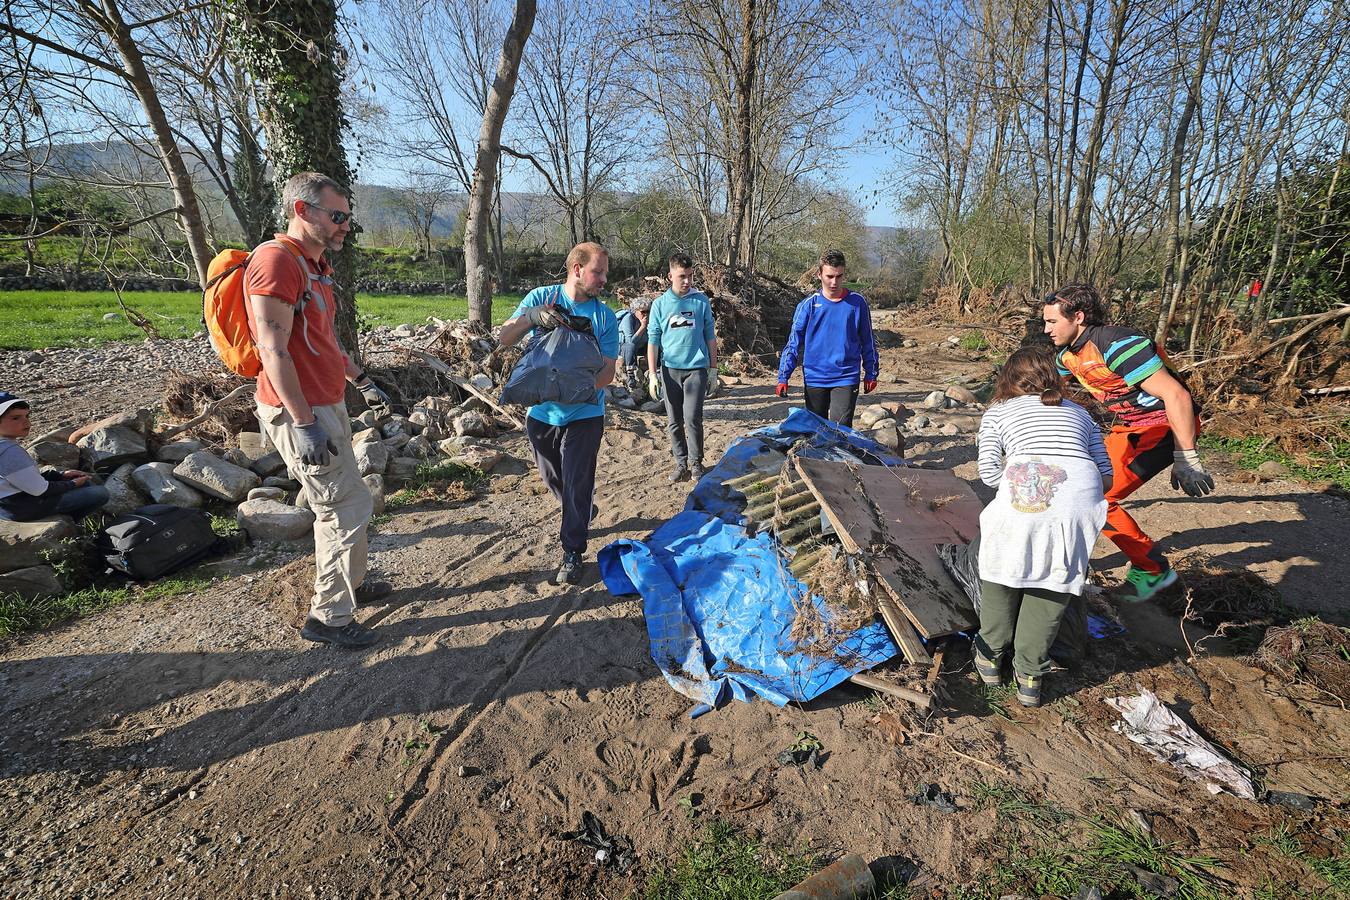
point(1025, 619)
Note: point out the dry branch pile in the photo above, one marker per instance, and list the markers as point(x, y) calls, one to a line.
point(1311, 652)
point(185, 396)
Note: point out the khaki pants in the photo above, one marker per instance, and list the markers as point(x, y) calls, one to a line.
point(341, 504)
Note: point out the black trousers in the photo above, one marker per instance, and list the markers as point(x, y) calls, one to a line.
point(566, 456)
point(833, 403)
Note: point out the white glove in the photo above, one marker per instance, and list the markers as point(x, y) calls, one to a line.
point(654, 385)
point(713, 383)
point(1188, 475)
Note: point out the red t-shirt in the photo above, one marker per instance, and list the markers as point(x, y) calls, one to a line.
point(274, 271)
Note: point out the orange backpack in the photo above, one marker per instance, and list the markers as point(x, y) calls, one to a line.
point(225, 308)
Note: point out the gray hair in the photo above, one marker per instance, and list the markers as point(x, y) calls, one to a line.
point(308, 187)
point(642, 303)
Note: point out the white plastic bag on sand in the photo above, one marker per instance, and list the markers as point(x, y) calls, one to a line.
point(1149, 723)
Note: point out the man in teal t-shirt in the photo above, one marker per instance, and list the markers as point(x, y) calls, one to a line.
point(680, 333)
point(566, 436)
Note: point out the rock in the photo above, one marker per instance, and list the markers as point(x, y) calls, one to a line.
point(269, 464)
point(625, 401)
point(61, 435)
point(216, 477)
point(31, 583)
point(238, 457)
point(177, 451)
point(375, 484)
point(951, 428)
point(485, 459)
point(728, 379)
point(112, 317)
point(454, 446)
point(254, 445)
point(269, 520)
point(1273, 469)
point(33, 358)
point(25, 544)
point(138, 420)
point(870, 415)
point(280, 481)
point(396, 425)
point(404, 331)
point(123, 495)
point(267, 493)
point(372, 457)
point(112, 446)
point(482, 381)
point(57, 454)
point(1160, 885)
point(935, 400)
point(911, 343)
point(420, 418)
point(396, 442)
point(652, 406)
point(962, 395)
point(420, 447)
point(402, 467)
point(895, 408)
point(368, 436)
point(157, 480)
point(953, 340)
point(367, 419)
point(888, 436)
point(914, 423)
point(472, 424)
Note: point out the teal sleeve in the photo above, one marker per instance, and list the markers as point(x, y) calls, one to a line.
point(709, 326)
point(608, 337)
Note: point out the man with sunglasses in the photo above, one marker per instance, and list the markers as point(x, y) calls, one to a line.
point(300, 394)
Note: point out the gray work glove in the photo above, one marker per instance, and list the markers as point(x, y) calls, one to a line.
point(713, 382)
point(547, 317)
point(316, 449)
point(1188, 475)
point(376, 400)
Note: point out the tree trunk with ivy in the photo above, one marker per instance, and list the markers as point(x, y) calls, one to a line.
point(291, 49)
point(477, 223)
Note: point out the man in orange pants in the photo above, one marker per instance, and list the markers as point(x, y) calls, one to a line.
point(1155, 420)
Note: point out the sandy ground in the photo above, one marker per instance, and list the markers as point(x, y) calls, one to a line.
point(198, 747)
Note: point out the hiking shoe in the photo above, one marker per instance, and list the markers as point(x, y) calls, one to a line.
point(1140, 585)
point(989, 671)
point(1029, 690)
point(680, 474)
point(352, 636)
point(697, 470)
point(595, 511)
point(372, 590)
point(570, 570)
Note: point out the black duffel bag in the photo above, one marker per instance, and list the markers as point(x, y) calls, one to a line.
point(560, 365)
point(155, 540)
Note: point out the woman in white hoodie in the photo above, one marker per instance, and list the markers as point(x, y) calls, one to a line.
point(26, 493)
point(1047, 458)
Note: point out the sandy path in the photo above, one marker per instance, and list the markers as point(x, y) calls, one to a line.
point(199, 748)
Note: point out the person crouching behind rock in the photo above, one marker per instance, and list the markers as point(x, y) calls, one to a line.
point(27, 493)
point(1047, 458)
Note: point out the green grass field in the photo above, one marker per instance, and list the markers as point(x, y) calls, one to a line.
point(32, 320)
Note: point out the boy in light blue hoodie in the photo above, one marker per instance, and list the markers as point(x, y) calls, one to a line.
point(680, 335)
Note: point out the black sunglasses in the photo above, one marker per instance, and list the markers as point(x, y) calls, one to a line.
point(336, 215)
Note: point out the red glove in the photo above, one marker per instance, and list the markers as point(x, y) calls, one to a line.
point(782, 389)
point(869, 386)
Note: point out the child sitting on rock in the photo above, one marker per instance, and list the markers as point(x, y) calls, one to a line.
point(25, 492)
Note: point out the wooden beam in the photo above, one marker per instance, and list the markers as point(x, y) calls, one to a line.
point(872, 682)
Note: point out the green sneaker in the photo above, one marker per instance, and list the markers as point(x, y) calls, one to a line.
point(1140, 585)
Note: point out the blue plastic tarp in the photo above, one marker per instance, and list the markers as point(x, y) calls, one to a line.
point(720, 602)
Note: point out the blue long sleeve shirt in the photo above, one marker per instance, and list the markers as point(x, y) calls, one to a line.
point(833, 341)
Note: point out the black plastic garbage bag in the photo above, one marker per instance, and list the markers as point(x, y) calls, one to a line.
point(560, 365)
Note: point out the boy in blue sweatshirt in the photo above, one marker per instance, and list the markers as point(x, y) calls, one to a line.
point(832, 338)
point(680, 334)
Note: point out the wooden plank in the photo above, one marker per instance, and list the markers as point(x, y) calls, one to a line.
point(896, 516)
point(900, 627)
point(872, 682)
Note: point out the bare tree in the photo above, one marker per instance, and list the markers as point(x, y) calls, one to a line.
point(478, 283)
point(421, 200)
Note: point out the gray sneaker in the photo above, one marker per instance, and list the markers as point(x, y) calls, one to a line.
point(352, 636)
point(680, 474)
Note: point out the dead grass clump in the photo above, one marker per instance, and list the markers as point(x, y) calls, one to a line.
point(1309, 651)
point(819, 628)
point(1215, 596)
point(185, 396)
